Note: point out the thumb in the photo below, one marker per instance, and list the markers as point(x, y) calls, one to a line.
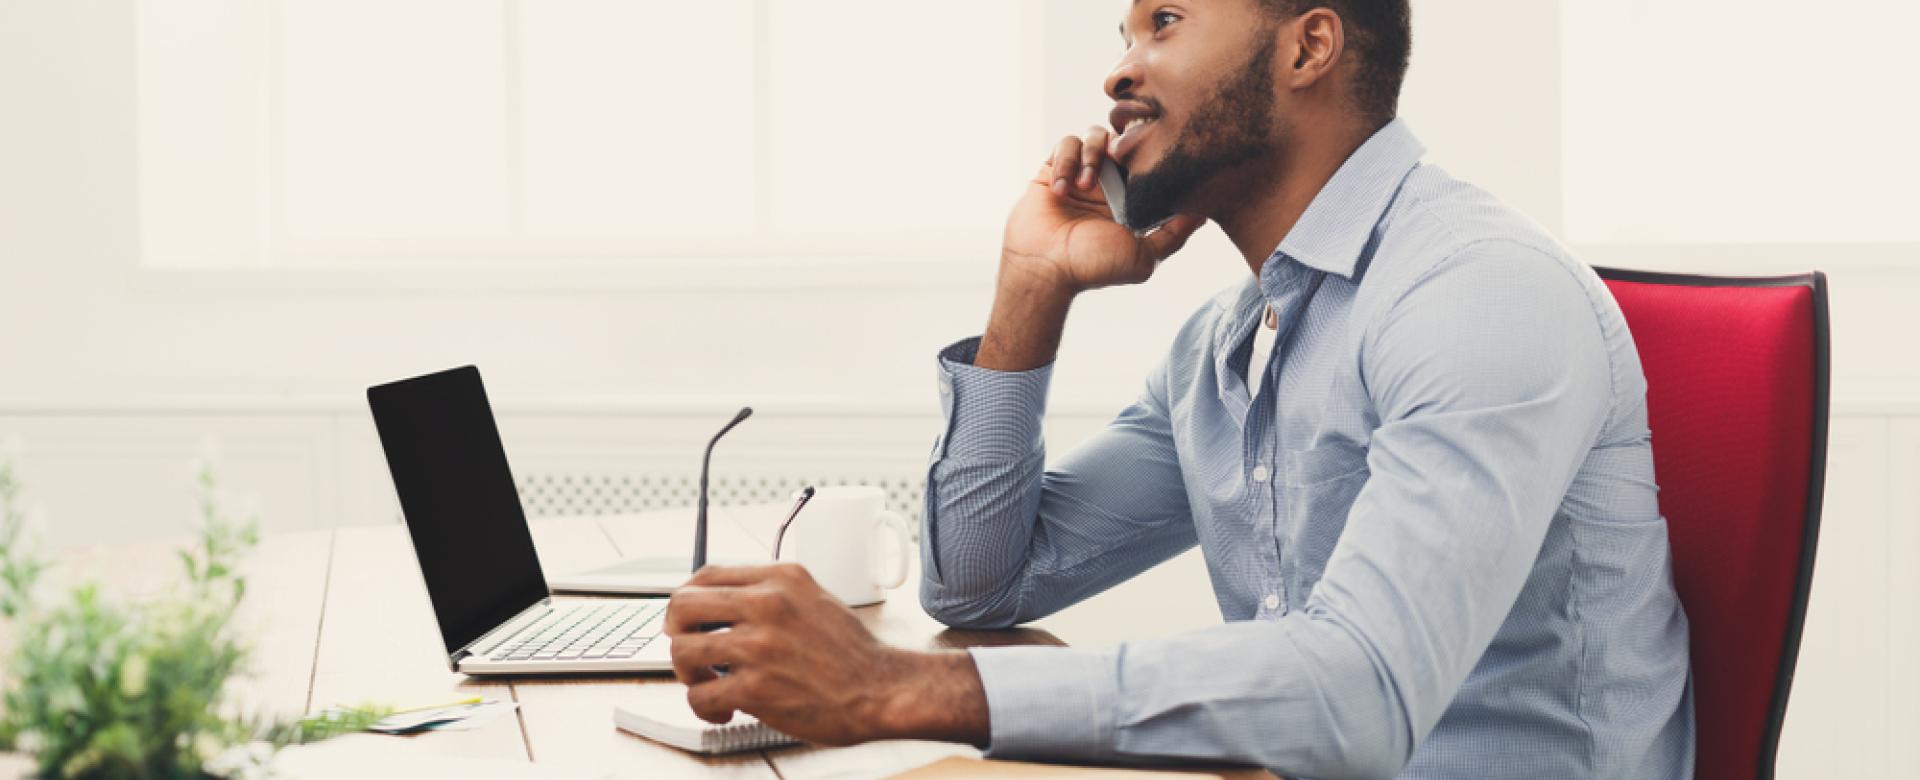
point(1169, 237)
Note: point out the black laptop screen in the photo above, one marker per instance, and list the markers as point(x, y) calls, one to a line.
point(460, 504)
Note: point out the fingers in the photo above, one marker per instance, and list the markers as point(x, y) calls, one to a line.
point(694, 609)
point(716, 700)
point(1073, 170)
point(1168, 238)
point(729, 648)
point(1092, 152)
point(1066, 165)
point(695, 656)
point(730, 595)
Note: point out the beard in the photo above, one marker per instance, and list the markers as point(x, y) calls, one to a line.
point(1233, 126)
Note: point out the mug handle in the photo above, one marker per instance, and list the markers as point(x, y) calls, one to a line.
point(897, 525)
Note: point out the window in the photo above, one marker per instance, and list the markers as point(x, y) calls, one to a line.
point(542, 133)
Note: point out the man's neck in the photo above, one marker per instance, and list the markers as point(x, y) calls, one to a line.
point(1275, 198)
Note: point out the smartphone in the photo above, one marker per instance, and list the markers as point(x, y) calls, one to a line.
point(1113, 182)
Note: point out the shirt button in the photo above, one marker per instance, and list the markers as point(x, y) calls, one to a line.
point(1273, 601)
point(1260, 473)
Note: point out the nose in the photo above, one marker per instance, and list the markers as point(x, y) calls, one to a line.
point(1124, 78)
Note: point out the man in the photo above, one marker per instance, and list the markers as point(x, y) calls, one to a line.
point(1412, 446)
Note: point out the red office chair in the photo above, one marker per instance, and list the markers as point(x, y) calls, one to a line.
point(1737, 402)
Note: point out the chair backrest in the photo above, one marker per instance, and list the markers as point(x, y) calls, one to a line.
point(1737, 403)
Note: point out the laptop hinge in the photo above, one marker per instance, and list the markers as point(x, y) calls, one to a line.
point(504, 630)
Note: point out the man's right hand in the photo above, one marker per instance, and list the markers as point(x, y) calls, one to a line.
point(1063, 228)
point(1061, 240)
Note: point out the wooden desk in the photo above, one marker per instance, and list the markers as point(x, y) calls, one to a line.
point(341, 617)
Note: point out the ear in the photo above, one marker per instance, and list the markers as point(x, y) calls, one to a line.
point(1316, 39)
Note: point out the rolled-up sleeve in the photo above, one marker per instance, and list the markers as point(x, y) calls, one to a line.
point(990, 415)
point(1007, 539)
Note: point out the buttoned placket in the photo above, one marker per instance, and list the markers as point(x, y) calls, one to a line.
point(1260, 481)
point(1262, 484)
point(1292, 289)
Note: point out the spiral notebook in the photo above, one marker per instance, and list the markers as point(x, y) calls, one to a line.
point(660, 713)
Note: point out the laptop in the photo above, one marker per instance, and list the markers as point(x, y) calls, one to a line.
point(495, 612)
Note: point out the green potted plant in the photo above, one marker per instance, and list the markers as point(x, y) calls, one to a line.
point(99, 688)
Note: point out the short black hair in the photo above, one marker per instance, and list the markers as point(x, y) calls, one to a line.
point(1379, 34)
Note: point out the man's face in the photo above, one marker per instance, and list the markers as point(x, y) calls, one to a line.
point(1200, 75)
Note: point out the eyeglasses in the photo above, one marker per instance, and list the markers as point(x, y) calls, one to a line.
point(700, 520)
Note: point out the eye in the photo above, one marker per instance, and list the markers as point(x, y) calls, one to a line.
point(1163, 18)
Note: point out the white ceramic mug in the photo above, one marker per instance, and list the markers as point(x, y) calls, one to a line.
point(837, 538)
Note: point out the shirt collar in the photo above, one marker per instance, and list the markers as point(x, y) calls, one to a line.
point(1339, 222)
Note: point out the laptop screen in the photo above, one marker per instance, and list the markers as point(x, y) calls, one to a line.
point(459, 501)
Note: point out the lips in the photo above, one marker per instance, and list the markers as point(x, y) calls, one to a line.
point(1123, 144)
point(1131, 121)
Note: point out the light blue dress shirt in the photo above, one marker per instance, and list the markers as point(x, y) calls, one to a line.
point(1433, 534)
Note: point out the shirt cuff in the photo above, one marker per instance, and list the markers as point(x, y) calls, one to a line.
point(1048, 703)
point(991, 415)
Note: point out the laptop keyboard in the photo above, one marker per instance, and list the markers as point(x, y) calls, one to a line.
point(585, 631)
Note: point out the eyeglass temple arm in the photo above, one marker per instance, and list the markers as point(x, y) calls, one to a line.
point(700, 519)
point(781, 536)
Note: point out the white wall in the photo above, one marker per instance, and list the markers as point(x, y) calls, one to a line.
point(112, 375)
